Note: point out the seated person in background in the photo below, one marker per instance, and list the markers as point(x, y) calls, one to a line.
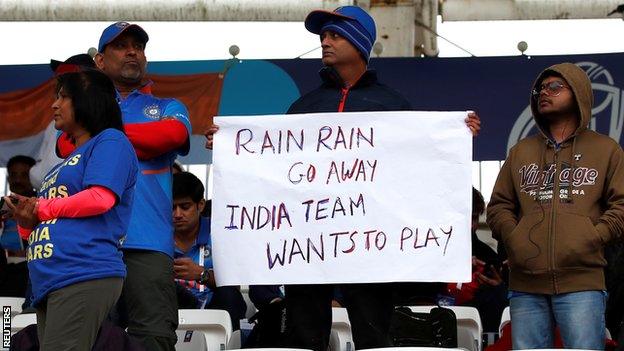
point(194, 277)
point(13, 269)
point(487, 292)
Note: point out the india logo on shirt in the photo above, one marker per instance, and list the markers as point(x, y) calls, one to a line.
point(152, 111)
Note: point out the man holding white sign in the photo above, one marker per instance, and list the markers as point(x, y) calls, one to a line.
point(332, 221)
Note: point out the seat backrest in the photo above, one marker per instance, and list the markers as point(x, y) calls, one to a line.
point(467, 318)
point(190, 340)
point(215, 325)
point(251, 309)
point(14, 302)
point(465, 339)
point(505, 318)
point(340, 338)
point(21, 321)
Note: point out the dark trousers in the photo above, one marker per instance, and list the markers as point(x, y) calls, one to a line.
point(309, 315)
point(148, 306)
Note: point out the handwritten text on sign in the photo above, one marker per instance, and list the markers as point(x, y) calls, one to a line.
point(342, 198)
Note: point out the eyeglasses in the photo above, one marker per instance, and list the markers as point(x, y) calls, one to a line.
point(553, 88)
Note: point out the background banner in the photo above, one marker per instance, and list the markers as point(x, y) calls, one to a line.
point(498, 88)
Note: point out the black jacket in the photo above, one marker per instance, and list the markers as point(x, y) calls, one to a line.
point(366, 95)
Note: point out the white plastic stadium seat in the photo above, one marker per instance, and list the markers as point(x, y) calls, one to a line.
point(14, 302)
point(190, 340)
point(214, 326)
point(505, 318)
point(251, 309)
point(468, 319)
point(21, 321)
point(340, 338)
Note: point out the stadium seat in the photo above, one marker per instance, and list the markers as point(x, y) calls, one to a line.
point(214, 325)
point(14, 302)
point(469, 328)
point(251, 309)
point(190, 340)
point(505, 318)
point(340, 338)
point(21, 321)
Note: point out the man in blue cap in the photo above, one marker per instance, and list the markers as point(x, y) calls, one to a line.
point(159, 130)
point(347, 36)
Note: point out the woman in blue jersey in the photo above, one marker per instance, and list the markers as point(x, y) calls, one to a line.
point(82, 211)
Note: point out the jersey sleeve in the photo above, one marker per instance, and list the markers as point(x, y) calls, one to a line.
point(152, 139)
point(177, 110)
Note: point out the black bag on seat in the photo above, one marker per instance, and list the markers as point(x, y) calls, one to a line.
point(267, 331)
point(437, 328)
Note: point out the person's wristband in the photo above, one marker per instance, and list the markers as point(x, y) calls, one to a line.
point(204, 276)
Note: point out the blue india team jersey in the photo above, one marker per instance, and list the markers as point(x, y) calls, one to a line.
point(201, 254)
point(151, 224)
point(65, 251)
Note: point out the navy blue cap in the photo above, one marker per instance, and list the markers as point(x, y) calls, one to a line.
point(352, 22)
point(114, 30)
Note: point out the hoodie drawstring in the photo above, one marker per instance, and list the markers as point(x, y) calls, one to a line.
point(569, 198)
point(540, 169)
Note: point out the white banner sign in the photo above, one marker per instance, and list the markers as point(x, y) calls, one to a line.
point(342, 198)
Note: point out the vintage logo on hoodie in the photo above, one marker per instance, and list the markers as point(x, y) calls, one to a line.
point(541, 184)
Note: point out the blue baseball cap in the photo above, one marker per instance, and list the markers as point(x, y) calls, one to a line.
point(114, 30)
point(352, 22)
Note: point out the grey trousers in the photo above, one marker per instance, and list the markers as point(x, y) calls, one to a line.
point(70, 317)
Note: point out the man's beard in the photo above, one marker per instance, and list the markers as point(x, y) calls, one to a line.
point(131, 74)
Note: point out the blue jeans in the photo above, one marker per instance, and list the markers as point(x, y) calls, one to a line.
point(580, 317)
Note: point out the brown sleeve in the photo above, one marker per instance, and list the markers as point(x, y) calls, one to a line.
point(611, 224)
point(503, 207)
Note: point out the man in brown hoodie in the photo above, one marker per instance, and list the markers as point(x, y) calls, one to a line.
point(558, 199)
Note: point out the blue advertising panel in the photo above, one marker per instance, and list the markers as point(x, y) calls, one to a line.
point(498, 88)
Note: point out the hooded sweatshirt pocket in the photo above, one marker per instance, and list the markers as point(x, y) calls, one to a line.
point(527, 244)
point(577, 242)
